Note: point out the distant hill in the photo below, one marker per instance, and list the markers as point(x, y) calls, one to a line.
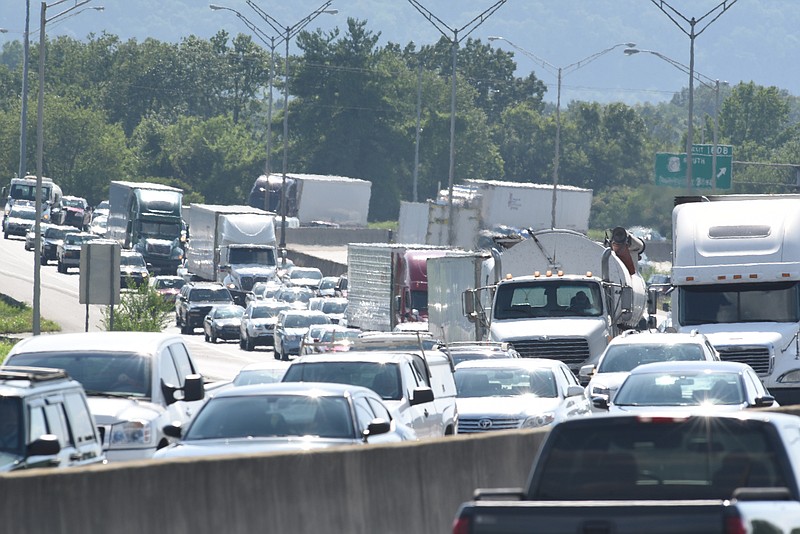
point(753, 40)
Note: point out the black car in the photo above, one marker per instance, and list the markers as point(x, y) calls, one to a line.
point(196, 300)
point(132, 269)
point(222, 322)
point(53, 236)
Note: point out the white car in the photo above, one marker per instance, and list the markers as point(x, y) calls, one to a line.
point(631, 349)
point(689, 386)
point(333, 307)
point(286, 417)
point(135, 382)
point(502, 394)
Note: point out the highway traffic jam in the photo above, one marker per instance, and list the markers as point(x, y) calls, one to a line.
point(649, 394)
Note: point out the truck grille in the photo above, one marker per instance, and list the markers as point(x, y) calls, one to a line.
point(159, 249)
point(246, 282)
point(571, 350)
point(756, 357)
point(471, 425)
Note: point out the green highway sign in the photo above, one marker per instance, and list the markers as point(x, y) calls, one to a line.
point(671, 168)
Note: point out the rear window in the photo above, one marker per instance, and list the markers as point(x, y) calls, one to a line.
point(382, 378)
point(632, 458)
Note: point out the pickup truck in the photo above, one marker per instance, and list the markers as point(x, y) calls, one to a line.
point(705, 473)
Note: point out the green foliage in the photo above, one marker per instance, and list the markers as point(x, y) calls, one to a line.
point(141, 309)
point(5, 348)
point(17, 318)
point(628, 206)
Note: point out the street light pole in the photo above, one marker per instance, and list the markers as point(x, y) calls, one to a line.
point(709, 83)
point(559, 72)
point(446, 30)
point(288, 33)
point(673, 14)
point(23, 119)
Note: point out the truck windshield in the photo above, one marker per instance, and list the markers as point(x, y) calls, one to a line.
point(628, 458)
point(28, 192)
point(739, 303)
point(254, 256)
point(160, 230)
point(548, 298)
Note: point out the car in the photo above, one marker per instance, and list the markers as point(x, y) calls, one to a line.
point(660, 282)
point(19, 220)
point(68, 253)
point(632, 348)
point(223, 322)
point(298, 297)
point(286, 417)
point(52, 237)
point(309, 277)
point(45, 421)
point(327, 286)
point(257, 326)
point(513, 393)
point(263, 291)
point(462, 351)
point(419, 390)
point(690, 386)
point(328, 338)
point(75, 212)
point(290, 328)
point(135, 382)
point(30, 236)
point(132, 269)
point(259, 373)
point(333, 307)
point(195, 301)
point(102, 209)
point(99, 225)
point(168, 286)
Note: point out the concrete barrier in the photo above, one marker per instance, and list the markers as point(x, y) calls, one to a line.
point(355, 490)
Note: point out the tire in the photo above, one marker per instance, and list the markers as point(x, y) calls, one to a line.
point(249, 344)
point(205, 335)
point(5, 235)
point(241, 342)
point(61, 267)
point(213, 336)
point(43, 260)
point(185, 329)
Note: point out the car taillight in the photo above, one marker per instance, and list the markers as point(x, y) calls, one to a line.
point(734, 525)
point(461, 525)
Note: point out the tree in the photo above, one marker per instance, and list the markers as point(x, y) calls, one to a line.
point(754, 113)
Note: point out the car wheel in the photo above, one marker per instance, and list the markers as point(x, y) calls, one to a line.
point(5, 235)
point(241, 342)
point(249, 344)
point(213, 336)
point(185, 329)
point(43, 260)
point(61, 267)
point(206, 335)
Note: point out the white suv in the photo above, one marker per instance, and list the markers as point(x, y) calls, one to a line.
point(632, 348)
point(136, 383)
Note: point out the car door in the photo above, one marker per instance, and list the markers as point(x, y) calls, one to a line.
point(577, 404)
point(365, 414)
point(86, 438)
point(418, 417)
point(184, 367)
point(57, 424)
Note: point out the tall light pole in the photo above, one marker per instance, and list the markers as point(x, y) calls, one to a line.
point(708, 82)
point(288, 33)
point(270, 42)
point(447, 31)
point(23, 118)
point(37, 265)
point(679, 19)
point(559, 72)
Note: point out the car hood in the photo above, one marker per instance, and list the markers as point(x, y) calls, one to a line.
point(249, 445)
point(228, 322)
point(553, 327)
point(110, 410)
point(517, 406)
point(262, 321)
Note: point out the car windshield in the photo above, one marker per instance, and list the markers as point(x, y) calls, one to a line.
point(228, 312)
point(272, 416)
point(248, 377)
point(101, 373)
point(313, 274)
point(295, 296)
point(55, 233)
point(333, 307)
point(11, 428)
point(211, 295)
point(304, 321)
point(77, 239)
point(28, 215)
point(505, 382)
point(169, 283)
point(623, 358)
point(382, 378)
point(265, 312)
point(132, 259)
point(680, 389)
point(328, 283)
point(73, 203)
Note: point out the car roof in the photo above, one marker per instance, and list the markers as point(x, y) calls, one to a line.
point(25, 381)
point(137, 342)
point(510, 363)
point(212, 285)
point(316, 389)
point(354, 356)
point(694, 366)
point(304, 313)
point(130, 253)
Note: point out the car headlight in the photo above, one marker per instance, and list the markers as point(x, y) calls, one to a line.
point(131, 434)
point(543, 419)
point(792, 377)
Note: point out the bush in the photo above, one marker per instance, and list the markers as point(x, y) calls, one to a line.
point(141, 309)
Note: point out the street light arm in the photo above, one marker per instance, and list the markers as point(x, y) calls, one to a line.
point(673, 15)
point(585, 61)
point(59, 21)
point(268, 40)
point(289, 32)
point(71, 8)
point(472, 25)
point(433, 19)
point(702, 78)
point(530, 55)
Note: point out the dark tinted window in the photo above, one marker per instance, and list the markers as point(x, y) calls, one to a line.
point(382, 378)
point(11, 430)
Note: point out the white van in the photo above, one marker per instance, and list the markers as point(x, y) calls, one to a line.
point(420, 391)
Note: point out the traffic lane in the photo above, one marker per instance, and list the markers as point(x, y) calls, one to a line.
point(59, 300)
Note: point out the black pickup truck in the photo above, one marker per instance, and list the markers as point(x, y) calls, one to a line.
point(735, 473)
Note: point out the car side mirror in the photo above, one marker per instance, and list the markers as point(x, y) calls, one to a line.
point(377, 427)
point(600, 401)
point(765, 401)
point(586, 371)
point(173, 430)
point(421, 396)
point(193, 388)
point(575, 391)
point(45, 445)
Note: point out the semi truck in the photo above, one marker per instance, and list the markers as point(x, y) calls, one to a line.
point(558, 294)
point(488, 206)
point(234, 245)
point(736, 273)
point(146, 217)
point(387, 284)
point(314, 199)
point(24, 190)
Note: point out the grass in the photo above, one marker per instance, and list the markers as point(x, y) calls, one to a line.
point(17, 318)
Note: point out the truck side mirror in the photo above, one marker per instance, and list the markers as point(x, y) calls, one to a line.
point(45, 445)
point(193, 388)
point(421, 396)
point(468, 304)
point(652, 301)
